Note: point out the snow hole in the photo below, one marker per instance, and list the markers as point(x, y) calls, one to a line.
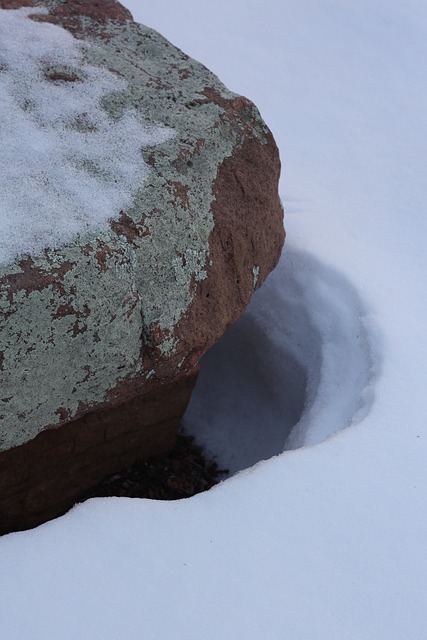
point(295, 368)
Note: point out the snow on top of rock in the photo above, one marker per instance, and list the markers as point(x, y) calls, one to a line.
point(65, 166)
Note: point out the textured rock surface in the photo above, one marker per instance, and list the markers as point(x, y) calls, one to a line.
point(128, 311)
point(44, 477)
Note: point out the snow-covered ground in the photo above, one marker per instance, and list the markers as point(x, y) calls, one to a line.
point(327, 541)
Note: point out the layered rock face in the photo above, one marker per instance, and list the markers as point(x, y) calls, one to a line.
point(146, 219)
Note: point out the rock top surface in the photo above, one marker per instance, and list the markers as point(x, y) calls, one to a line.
point(132, 302)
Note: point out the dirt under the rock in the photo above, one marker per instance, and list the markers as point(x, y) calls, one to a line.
point(185, 471)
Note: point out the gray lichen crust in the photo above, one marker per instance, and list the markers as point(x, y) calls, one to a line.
point(76, 320)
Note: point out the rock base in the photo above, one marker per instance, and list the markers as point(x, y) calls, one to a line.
point(36, 486)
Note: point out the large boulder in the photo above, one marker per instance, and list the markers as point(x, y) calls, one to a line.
point(139, 212)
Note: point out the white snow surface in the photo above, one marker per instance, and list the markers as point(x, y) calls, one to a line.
point(65, 166)
point(328, 540)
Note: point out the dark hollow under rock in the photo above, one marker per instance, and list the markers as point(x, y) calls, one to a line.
point(180, 473)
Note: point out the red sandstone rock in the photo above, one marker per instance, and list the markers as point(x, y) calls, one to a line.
point(100, 339)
